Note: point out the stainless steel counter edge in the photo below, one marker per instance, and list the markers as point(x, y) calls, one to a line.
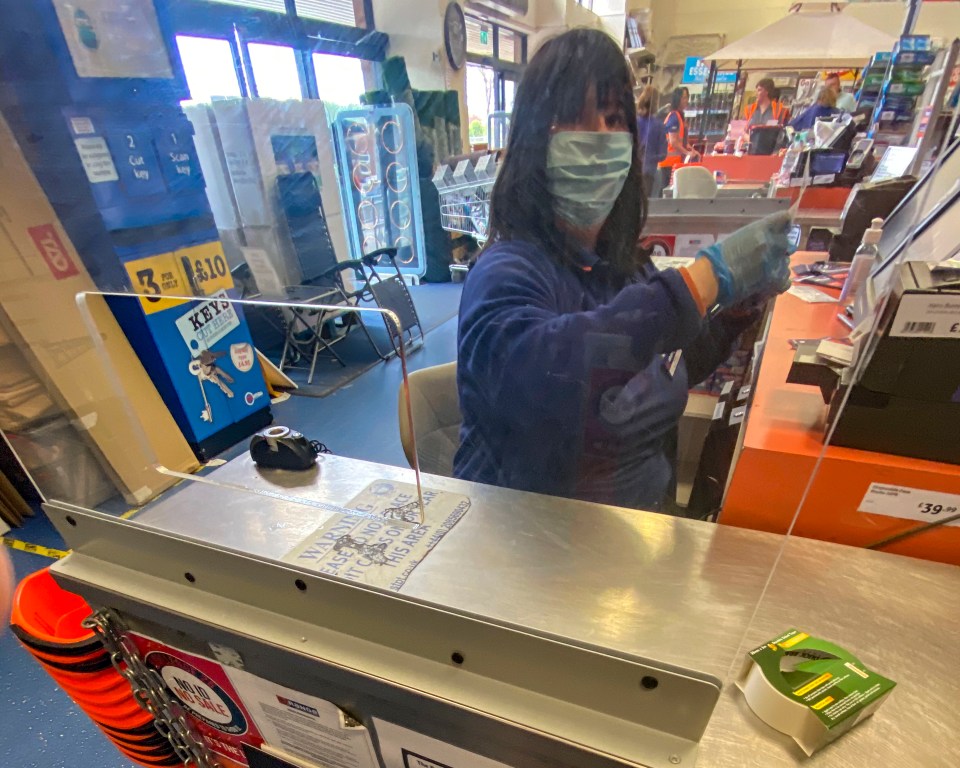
point(572, 693)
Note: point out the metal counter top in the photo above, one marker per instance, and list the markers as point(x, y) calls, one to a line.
point(678, 591)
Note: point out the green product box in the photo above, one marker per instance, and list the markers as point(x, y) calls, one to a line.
point(907, 76)
point(905, 89)
point(810, 689)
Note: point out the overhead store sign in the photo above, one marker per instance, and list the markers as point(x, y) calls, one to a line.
point(696, 71)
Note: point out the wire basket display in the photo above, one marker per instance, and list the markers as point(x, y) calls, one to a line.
point(465, 195)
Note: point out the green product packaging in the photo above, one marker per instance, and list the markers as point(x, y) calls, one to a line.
point(810, 689)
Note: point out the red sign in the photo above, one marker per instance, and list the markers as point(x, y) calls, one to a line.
point(51, 247)
point(211, 702)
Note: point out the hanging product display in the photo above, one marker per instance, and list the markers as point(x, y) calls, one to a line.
point(377, 154)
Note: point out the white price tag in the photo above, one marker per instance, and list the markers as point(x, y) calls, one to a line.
point(727, 388)
point(744, 392)
point(931, 316)
point(718, 410)
point(738, 414)
point(910, 503)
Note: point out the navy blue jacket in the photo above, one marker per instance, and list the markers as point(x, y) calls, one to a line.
point(567, 385)
point(653, 139)
point(806, 119)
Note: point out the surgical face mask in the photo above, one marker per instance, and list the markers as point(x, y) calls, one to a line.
point(585, 173)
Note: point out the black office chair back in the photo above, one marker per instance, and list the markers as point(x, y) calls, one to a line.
point(302, 207)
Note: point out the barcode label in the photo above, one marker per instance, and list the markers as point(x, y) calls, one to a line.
point(927, 316)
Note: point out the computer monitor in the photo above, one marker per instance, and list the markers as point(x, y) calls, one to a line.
point(894, 163)
point(935, 190)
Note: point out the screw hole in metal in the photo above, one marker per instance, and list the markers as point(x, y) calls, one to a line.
point(190, 577)
point(301, 585)
point(456, 657)
point(649, 682)
point(71, 521)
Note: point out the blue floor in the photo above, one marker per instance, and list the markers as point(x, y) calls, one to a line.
point(39, 726)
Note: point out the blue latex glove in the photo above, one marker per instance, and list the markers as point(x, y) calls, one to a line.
point(754, 260)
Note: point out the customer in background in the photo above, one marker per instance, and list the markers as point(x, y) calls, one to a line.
point(436, 239)
point(825, 106)
point(653, 140)
point(767, 109)
point(675, 126)
point(845, 101)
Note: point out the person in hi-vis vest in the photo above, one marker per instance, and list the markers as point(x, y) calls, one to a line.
point(767, 109)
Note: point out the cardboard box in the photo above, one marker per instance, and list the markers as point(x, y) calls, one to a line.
point(116, 407)
point(259, 140)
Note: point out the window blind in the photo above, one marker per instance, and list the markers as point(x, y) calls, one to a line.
point(337, 11)
point(258, 5)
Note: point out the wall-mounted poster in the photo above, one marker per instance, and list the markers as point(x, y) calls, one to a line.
point(114, 38)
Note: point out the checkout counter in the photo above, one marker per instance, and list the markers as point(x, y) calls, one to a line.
point(508, 629)
point(536, 632)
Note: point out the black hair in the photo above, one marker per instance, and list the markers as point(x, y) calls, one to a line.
point(769, 86)
point(677, 96)
point(553, 91)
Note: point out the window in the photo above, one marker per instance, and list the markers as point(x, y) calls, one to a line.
point(275, 71)
point(479, 37)
point(510, 46)
point(208, 64)
point(339, 82)
point(496, 56)
point(481, 100)
point(509, 94)
point(338, 11)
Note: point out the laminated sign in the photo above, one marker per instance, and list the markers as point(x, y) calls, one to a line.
point(207, 322)
point(382, 546)
point(209, 698)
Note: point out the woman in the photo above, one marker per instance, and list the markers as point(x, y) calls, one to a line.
point(826, 106)
point(653, 139)
point(675, 126)
point(574, 358)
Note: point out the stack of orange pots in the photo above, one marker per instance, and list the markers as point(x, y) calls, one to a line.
point(47, 621)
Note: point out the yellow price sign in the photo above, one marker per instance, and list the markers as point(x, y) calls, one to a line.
point(205, 267)
point(155, 277)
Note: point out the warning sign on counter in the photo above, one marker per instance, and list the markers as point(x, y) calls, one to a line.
point(382, 547)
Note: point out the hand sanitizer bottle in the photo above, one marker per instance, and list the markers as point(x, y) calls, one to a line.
point(863, 261)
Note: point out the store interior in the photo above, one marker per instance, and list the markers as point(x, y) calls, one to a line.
point(295, 476)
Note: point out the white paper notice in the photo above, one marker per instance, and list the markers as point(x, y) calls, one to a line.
point(96, 159)
point(403, 748)
point(910, 503)
point(671, 262)
point(380, 552)
point(303, 726)
point(811, 295)
point(930, 316)
point(832, 350)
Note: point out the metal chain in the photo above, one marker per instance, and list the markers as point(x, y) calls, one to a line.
point(150, 691)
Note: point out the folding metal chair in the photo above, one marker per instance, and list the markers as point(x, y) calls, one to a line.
point(390, 292)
